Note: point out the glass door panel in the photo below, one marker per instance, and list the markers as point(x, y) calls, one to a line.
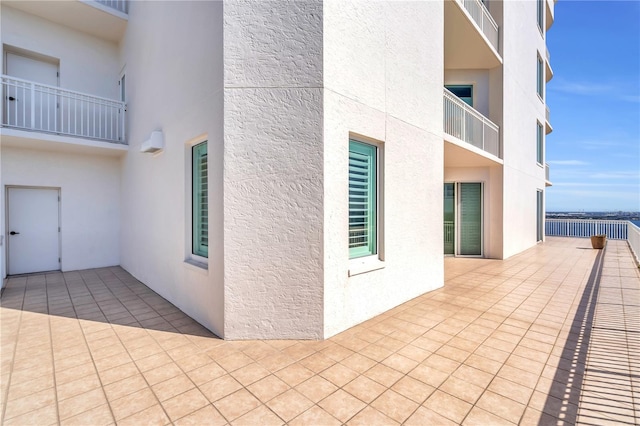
point(449, 218)
point(470, 219)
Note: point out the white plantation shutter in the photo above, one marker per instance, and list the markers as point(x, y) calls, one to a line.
point(200, 198)
point(362, 199)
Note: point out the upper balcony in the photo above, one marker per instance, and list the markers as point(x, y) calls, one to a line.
point(471, 36)
point(547, 123)
point(550, 12)
point(547, 181)
point(473, 138)
point(33, 113)
point(106, 19)
point(549, 70)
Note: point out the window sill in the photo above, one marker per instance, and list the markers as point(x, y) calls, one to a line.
point(196, 265)
point(364, 265)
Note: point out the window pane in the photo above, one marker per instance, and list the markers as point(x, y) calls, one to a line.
point(200, 198)
point(362, 199)
point(464, 92)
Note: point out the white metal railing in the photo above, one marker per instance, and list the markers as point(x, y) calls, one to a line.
point(467, 124)
point(613, 229)
point(547, 113)
point(119, 5)
point(633, 238)
point(548, 55)
point(33, 106)
point(481, 16)
point(546, 172)
point(449, 235)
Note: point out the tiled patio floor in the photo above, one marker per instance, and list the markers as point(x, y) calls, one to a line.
point(535, 339)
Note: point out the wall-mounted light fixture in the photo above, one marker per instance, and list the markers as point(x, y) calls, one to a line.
point(154, 144)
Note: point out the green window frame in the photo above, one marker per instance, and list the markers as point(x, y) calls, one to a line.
point(539, 143)
point(363, 196)
point(200, 200)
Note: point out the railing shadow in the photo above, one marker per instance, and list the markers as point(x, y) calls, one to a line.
point(564, 396)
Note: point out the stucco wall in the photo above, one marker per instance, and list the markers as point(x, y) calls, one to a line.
point(87, 64)
point(383, 81)
point(273, 183)
point(522, 175)
point(172, 56)
point(90, 200)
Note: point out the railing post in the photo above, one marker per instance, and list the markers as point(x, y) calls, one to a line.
point(33, 105)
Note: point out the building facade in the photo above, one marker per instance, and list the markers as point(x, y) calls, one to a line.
point(274, 169)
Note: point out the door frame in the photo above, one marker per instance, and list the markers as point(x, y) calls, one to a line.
point(456, 213)
point(6, 215)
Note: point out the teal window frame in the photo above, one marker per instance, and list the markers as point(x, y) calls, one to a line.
point(540, 75)
point(200, 200)
point(539, 143)
point(540, 13)
point(363, 199)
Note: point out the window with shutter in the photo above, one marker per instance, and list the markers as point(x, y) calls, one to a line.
point(362, 199)
point(200, 197)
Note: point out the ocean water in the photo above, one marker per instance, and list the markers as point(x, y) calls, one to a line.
point(635, 222)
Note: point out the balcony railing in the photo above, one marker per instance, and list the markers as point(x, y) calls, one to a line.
point(546, 172)
point(613, 229)
point(119, 5)
point(38, 107)
point(481, 16)
point(547, 113)
point(467, 124)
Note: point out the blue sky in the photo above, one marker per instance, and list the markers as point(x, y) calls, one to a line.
point(594, 99)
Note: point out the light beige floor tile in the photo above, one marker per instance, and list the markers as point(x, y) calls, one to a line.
point(206, 416)
point(424, 416)
point(184, 404)
point(370, 416)
point(294, 374)
point(395, 406)
point(289, 404)
point(97, 416)
point(172, 387)
point(81, 403)
point(268, 388)
point(237, 404)
point(384, 375)
point(35, 401)
point(132, 404)
point(462, 389)
point(42, 416)
point(448, 406)
point(315, 416)
point(339, 375)
point(365, 389)
point(316, 388)
point(153, 415)
point(341, 405)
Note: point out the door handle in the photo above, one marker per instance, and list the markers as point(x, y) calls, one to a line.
point(13, 233)
point(11, 98)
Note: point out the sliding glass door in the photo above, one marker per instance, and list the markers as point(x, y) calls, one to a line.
point(470, 219)
point(463, 219)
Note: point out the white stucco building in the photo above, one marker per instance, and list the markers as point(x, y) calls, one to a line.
point(274, 169)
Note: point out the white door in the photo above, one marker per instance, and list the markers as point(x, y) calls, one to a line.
point(18, 97)
point(34, 236)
